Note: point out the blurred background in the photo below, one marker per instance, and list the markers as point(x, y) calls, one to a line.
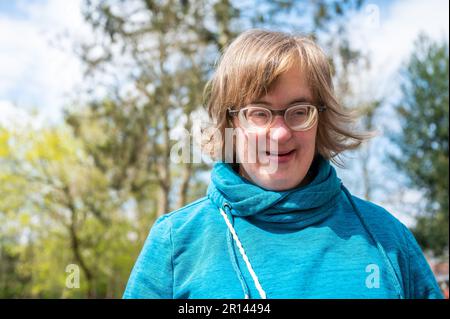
point(94, 94)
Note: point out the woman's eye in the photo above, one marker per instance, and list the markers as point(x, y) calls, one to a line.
point(300, 113)
point(258, 114)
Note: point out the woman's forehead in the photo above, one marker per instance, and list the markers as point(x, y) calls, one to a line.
point(290, 87)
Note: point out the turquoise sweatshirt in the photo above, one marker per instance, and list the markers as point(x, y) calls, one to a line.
point(314, 241)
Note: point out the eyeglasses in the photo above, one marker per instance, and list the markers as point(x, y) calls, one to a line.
point(299, 117)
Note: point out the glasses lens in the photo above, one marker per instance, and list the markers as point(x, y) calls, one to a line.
point(301, 117)
point(257, 116)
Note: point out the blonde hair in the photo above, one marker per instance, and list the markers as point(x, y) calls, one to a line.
point(249, 67)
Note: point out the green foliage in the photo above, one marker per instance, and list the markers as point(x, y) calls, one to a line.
point(57, 209)
point(424, 114)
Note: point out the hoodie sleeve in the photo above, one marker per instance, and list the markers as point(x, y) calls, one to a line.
point(422, 283)
point(151, 277)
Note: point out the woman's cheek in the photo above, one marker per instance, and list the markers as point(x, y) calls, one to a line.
point(250, 145)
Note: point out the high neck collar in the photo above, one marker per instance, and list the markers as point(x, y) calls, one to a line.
point(249, 199)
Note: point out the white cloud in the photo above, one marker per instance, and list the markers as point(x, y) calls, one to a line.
point(34, 72)
point(388, 36)
point(15, 118)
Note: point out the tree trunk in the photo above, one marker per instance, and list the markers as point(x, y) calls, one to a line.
point(186, 178)
point(75, 244)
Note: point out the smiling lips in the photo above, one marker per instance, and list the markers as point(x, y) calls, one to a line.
point(280, 153)
point(281, 157)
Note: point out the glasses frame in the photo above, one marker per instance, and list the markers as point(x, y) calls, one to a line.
point(274, 113)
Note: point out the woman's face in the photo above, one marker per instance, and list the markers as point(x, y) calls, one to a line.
point(268, 169)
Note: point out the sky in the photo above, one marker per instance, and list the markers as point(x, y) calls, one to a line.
point(386, 31)
point(39, 70)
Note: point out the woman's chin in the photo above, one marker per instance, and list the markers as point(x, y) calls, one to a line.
point(278, 181)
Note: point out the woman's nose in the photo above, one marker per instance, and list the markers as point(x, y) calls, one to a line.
point(279, 131)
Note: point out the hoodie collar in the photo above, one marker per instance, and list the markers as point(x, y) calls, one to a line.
point(248, 199)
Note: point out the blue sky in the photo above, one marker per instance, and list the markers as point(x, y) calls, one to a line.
point(14, 8)
point(36, 74)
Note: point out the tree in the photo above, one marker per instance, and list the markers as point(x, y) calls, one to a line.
point(165, 51)
point(424, 115)
point(56, 209)
point(164, 45)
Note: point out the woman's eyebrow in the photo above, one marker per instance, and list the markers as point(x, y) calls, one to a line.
point(300, 99)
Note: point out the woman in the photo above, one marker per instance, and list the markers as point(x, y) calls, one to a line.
point(277, 222)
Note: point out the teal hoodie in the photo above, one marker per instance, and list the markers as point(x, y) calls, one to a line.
point(314, 241)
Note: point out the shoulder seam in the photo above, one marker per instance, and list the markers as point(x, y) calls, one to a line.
point(171, 254)
point(382, 209)
point(408, 256)
point(198, 201)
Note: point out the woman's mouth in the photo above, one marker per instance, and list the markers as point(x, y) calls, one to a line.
point(281, 157)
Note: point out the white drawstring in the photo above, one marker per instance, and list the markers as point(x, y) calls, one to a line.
point(261, 291)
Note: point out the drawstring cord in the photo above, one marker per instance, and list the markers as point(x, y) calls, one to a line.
point(236, 268)
point(377, 243)
point(234, 262)
point(258, 286)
